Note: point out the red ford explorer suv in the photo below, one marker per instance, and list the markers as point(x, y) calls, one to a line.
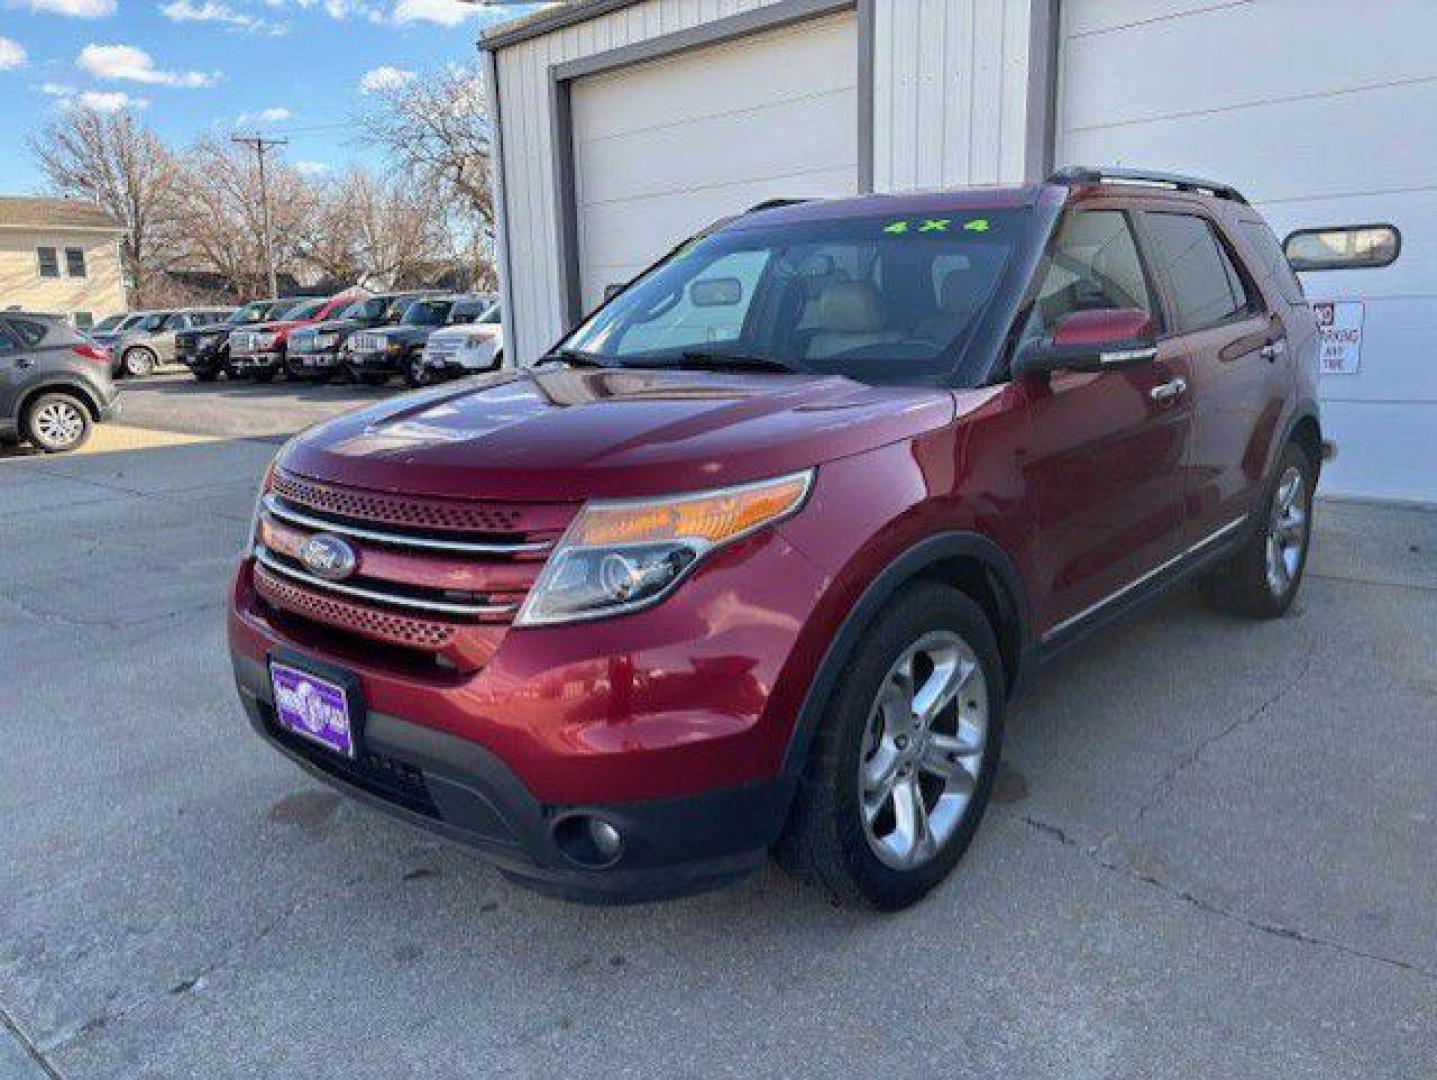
point(756, 558)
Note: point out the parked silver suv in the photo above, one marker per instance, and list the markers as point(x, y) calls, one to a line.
point(139, 349)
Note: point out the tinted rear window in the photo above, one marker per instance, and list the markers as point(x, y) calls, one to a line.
point(30, 332)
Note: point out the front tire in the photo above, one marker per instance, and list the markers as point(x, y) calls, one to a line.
point(56, 423)
point(138, 363)
point(901, 770)
point(1262, 579)
point(417, 373)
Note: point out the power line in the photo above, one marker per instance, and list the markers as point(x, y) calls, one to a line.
point(261, 146)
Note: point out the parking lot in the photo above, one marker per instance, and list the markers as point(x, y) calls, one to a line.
point(1211, 852)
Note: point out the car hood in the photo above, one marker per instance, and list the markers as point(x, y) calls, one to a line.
point(332, 326)
point(402, 333)
point(465, 330)
point(569, 435)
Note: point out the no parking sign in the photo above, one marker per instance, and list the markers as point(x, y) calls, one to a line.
point(1339, 325)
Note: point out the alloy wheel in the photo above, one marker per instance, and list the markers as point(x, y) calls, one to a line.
point(1286, 530)
point(139, 363)
point(922, 749)
point(59, 424)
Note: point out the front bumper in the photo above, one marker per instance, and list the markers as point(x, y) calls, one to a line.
point(672, 724)
point(265, 361)
point(456, 788)
point(383, 360)
point(325, 360)
point(203, 359)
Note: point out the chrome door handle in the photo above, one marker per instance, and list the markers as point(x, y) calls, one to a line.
point(1169, 390)
point(1273, 349)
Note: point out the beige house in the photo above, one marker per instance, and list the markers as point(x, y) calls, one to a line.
point(60, 256)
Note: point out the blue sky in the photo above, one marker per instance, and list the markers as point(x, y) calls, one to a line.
point(292, 68)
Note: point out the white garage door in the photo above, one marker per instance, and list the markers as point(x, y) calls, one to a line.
point(1320, 112)
point(664, 148)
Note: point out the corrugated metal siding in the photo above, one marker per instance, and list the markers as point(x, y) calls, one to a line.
point(950, 92)
point(951, 107)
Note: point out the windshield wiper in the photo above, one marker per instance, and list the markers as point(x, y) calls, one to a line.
point(726, 361)
point(574, 358)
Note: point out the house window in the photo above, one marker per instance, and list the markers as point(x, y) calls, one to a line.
point(75, 262)
point(49, 262)
point(84, 320)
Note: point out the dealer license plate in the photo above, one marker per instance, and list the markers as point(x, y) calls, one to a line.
point(313, 708)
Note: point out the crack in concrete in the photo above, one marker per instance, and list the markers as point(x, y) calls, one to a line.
point(1060, 835)
point(43, 1063)
point(59, 619)
point(1190, 757)
point(226, 957)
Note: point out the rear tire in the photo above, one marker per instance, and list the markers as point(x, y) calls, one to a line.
point(901, 769)
point(417, 373)
point(1262, 579)
point(138, 362)
point(56, 423)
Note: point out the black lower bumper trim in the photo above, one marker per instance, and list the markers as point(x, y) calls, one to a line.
point(458, 789)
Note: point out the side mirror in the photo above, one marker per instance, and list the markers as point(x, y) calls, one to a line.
point(1091, 341)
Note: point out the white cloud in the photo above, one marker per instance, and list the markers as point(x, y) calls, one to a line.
point(384, 78)
point(276, 114)
point(311, 168)
point(75, 9)
point(54, 89)
point(444, 12)
point(214, 11)
point(110, 101)
point(125, 63)
point(11, 54)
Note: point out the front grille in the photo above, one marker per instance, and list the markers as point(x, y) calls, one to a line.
point(440, 515)
point(244, 342)
point(436, 576)
point(367, 342)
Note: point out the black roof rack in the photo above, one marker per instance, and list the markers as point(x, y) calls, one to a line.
point(774, 204)
point(1088, 174)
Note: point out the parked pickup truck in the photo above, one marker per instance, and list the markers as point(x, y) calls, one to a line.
point(316, 353)
point(259, 352)
point(375, 355)
point(205, 350)
point(471, 342)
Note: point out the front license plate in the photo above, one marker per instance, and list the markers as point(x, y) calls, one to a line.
point(313, 708)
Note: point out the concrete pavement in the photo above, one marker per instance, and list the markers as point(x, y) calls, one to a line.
point(1212, 854)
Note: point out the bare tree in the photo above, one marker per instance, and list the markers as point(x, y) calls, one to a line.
point(435, 130)
point(121, 165)
point(219, 221)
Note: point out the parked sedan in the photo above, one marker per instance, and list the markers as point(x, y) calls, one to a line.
point(375, 355)
point(151, 342)
point(54, 382)
point(472, 341)
point(205, 350)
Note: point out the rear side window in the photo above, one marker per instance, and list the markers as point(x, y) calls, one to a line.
point(1207, 289)
point(29, 333)
point(1093, 266)
point(1272, 261)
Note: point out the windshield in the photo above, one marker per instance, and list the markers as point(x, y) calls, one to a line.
point(253, 312)
point(150, 323)
point(365, 309)
point(888, 299)
point(466, 311)
point(427, 312)
point(490, 317)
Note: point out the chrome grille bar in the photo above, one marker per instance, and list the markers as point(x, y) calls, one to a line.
point(263, 555)
point(273, 506)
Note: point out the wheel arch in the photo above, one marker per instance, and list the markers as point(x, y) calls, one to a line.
point(74, 387)
point(968, 561)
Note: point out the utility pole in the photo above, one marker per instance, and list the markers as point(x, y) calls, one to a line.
point(261, 146)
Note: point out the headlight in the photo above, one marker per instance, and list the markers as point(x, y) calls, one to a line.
point(622, 556)
point(266, 340)
point(394, 346)
point(477, 341)
point(264, 485)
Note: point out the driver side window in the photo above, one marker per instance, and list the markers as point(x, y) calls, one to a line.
point(1094, 266)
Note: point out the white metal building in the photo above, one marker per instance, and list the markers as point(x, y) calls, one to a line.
point(625, 125)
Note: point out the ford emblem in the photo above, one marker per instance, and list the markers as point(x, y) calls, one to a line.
point(328, 556)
